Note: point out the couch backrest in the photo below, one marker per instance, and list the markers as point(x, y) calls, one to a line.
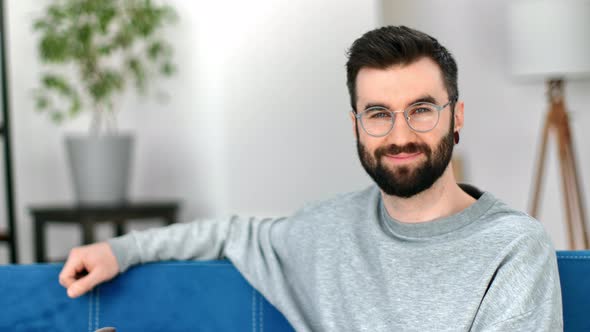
point(170, 296)
point(183, 296)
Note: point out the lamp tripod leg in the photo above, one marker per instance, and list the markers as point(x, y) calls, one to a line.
point(566, 179)
point(575, 203)
point(538, 180)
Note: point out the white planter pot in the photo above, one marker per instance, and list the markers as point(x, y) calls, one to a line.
point(100, 167)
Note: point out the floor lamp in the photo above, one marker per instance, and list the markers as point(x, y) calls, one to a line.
point(549, 42)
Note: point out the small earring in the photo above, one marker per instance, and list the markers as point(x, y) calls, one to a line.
point(456, 137)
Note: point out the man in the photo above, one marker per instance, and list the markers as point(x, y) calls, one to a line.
point(416, 252)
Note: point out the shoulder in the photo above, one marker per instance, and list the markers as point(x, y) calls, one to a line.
point(320, 221)
point(337, 210)
point(513, 227)
point(344, 202)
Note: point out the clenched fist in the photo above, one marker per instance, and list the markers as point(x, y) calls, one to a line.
point(87, 267)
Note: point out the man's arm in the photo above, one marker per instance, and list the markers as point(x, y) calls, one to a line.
point(202, 239)
point(244, 241)
point(524, 294)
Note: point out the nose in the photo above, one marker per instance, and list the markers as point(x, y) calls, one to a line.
point(401, 133)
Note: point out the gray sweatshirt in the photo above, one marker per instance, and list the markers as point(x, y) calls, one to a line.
point(346, 265)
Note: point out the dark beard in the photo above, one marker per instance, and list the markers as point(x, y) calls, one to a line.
point(404, 181)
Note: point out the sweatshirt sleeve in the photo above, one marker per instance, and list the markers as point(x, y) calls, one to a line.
point(525, 293)
point(234, 238)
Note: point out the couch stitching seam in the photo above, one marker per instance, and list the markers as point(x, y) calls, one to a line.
point(253, 311)
point(573, 257)
point(261, 314)
point(97, 309)
point(90, 302)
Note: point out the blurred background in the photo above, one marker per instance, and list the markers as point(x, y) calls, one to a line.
point(256, 121)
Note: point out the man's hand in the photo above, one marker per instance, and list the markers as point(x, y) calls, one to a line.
point(87, 267)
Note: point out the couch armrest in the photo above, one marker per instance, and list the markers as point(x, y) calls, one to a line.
point(574, 276)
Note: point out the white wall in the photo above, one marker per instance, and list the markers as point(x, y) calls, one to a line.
point(257, 122)
point(503, 117)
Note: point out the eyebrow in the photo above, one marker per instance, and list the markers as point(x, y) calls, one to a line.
point(422, 99)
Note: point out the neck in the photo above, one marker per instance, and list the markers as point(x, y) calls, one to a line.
point(443, 199)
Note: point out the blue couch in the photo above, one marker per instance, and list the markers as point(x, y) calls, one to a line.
point(192, 296)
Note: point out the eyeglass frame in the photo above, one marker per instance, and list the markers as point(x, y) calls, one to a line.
point(439, 108)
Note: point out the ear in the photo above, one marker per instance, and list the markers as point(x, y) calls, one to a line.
point(354, 122)
point(459, 115)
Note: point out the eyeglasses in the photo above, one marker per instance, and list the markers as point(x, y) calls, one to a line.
point(421, 117)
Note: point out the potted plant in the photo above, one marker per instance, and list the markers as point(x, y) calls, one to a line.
point(93, 51)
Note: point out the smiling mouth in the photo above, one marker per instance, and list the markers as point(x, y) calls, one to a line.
point(403, 157)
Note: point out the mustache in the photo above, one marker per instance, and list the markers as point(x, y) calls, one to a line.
point(394, 149)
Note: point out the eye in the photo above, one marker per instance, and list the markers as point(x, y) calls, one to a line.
point(380, 115)
point(422, 110)
point(377, 114)
point(419, 110)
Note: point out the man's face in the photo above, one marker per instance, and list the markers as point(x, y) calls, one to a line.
point(404, 163)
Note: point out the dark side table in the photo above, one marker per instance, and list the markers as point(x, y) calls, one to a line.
point(86, 216)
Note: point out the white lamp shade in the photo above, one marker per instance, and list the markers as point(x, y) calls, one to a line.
point(550, 39)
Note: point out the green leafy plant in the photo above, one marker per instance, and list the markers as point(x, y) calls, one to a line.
point(94, 49)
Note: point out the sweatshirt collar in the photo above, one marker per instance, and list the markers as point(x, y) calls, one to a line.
point(438, 227)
